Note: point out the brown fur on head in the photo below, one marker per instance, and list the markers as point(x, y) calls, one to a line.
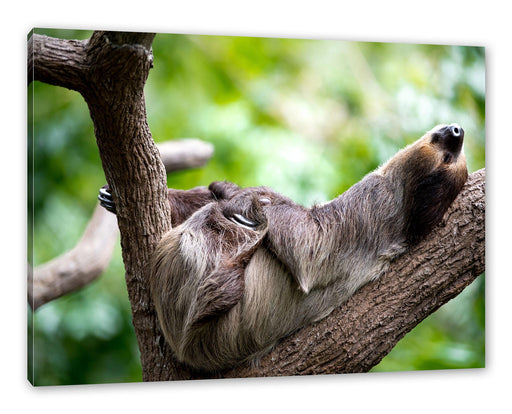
point(251, 266)
point(433, 168)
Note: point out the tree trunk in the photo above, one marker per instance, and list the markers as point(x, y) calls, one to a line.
point(118, 66)
point(110, 71)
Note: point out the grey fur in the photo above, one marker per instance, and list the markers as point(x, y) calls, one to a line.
point(225, 293)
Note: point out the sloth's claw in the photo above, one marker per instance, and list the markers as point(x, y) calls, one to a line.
point(104, 194)
point(106, 200)
point(244, 221)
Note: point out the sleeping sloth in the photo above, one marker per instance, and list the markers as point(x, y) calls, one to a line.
point(243, 268)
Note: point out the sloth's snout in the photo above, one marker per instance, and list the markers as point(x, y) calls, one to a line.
point(449, 138)
point(456, 130)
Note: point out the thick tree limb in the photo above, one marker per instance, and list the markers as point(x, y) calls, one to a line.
point(57, 62)
point(119, 66)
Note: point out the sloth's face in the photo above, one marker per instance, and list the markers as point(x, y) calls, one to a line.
point(439, 149)
point(448, 139)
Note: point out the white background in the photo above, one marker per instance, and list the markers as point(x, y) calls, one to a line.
point(442, 22)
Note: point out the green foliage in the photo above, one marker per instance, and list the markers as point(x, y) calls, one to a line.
point(306, 117)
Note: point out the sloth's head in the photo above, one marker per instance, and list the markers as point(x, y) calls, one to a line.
point(444, 142)
point(431, 173)
point(439, 149)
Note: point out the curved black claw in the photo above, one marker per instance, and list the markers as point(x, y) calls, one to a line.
point(106, 200)
point(243, 221)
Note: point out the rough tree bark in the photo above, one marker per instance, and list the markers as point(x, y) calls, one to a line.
point(110, 70)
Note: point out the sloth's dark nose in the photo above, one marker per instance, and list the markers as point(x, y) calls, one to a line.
point(450, 138)
point(456, 131)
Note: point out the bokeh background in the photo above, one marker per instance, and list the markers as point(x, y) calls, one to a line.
point(306, 117)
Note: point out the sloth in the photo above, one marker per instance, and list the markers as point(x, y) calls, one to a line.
point(243, 268)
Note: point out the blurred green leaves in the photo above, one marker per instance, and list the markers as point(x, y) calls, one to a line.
point(306, 117)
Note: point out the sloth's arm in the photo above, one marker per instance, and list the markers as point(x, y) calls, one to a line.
point(183, 203)
point(224, 287)
point(294, 238)
point(234, 242)
point(288, 225)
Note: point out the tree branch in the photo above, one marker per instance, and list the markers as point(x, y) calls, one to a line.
point(184, 154)
point(110, 71)
point(118, 66)
point(57, 62)
point(79, 266)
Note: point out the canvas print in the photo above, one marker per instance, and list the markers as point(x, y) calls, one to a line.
point(207, 207)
